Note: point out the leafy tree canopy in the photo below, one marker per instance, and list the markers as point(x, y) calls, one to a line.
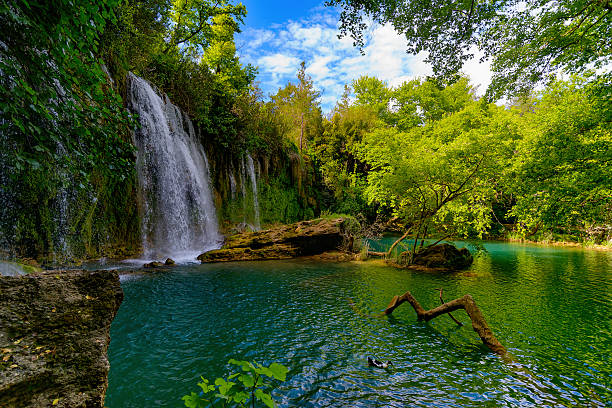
point(561, 174)
point(526, 40)
point(299, 104)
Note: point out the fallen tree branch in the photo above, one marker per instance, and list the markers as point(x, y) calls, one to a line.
point(451, 316)
point(479, 324)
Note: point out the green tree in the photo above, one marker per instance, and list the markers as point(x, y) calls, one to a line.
point(220, 56)
point(192, 23)
point(526, 40)
point(440, 178)
point(561, 174)
point(299, 104)
point(373, 92)
point(334, 151)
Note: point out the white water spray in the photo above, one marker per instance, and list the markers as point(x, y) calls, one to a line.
point(253, 177)
point(179, 217)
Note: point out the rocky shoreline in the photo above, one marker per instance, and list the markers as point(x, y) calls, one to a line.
point(306, 238)
point(54, 336)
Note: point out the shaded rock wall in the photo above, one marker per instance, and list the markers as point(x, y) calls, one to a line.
point(54, 334)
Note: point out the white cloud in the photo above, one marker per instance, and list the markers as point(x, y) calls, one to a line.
point(333, 62)
point(479, 72)
point(279, 64)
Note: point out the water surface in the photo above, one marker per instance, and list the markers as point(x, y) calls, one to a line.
point(549, 306)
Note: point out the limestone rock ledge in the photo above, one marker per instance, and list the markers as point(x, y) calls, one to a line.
point(287, 241)
point(54, 335)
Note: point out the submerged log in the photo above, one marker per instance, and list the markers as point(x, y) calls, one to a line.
point(450, 314)
point(479, 324)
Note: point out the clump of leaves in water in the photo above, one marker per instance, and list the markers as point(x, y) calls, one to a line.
point(254, 383)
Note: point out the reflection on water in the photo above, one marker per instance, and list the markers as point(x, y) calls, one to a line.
point(549, 306)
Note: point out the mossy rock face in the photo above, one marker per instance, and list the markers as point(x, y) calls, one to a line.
point(287, 241)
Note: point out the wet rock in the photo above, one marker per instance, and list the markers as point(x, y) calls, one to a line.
point(169, 262)
point(153, 264)
point(444, 256)
point(287, 241)
point(54, 334)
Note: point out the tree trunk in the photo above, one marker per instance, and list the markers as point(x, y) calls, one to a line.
point(403, 237)
point(479, 324)
point(450, 314)
point(301, 132)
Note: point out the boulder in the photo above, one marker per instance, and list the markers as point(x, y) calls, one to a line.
point(287, 241)
point(169, 262)
point(443, 256)
point(154, 264)
point(54, 335)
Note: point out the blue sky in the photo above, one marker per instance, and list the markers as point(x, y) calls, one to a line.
point(277, 36)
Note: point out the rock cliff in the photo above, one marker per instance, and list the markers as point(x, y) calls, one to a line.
point(54, 334)
point(287, 241)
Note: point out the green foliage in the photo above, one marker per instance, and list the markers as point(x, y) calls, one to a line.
point(187, 49)
point(56, 105)
point(561, 174)
point(254, 383)
point(441, 177)
point(526, 40)
point(299, 105)
point(63, 127)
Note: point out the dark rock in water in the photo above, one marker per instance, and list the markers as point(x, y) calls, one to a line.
point(169, 262)
point(288, 241)
point(153, 264)
point(54, 334)
point(444, 256)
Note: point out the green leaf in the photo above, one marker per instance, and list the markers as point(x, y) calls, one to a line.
point(278, 371)
point(247, 380)
point(224, 386)
point(192, 400)
point(265, 398)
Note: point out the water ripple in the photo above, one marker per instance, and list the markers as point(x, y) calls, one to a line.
point(550, 307)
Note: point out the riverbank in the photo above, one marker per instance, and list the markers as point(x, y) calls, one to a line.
point(567, 244)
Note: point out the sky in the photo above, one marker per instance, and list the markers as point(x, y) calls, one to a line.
point(278, 35)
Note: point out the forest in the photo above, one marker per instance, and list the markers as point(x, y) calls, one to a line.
point(132, 131)
point(427, 154)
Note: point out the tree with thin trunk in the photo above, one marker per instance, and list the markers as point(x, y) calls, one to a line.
point(438, 178)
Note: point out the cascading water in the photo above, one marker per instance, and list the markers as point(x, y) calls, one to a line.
point(179, 217)
point(62, 250)
point(251, 168)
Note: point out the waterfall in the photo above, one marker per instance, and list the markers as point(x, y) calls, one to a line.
point(179, 217)
point(232, 181)
point(7, 198)
point(252, 176)
point(61, 245)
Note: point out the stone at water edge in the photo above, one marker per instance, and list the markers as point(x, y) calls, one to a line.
point(169, 262)
point(444, 256)
point(54, 337)
point(154, 264)
point(303, 238)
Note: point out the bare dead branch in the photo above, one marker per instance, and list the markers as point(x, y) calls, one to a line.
point(451, 316)
point(479, 324)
